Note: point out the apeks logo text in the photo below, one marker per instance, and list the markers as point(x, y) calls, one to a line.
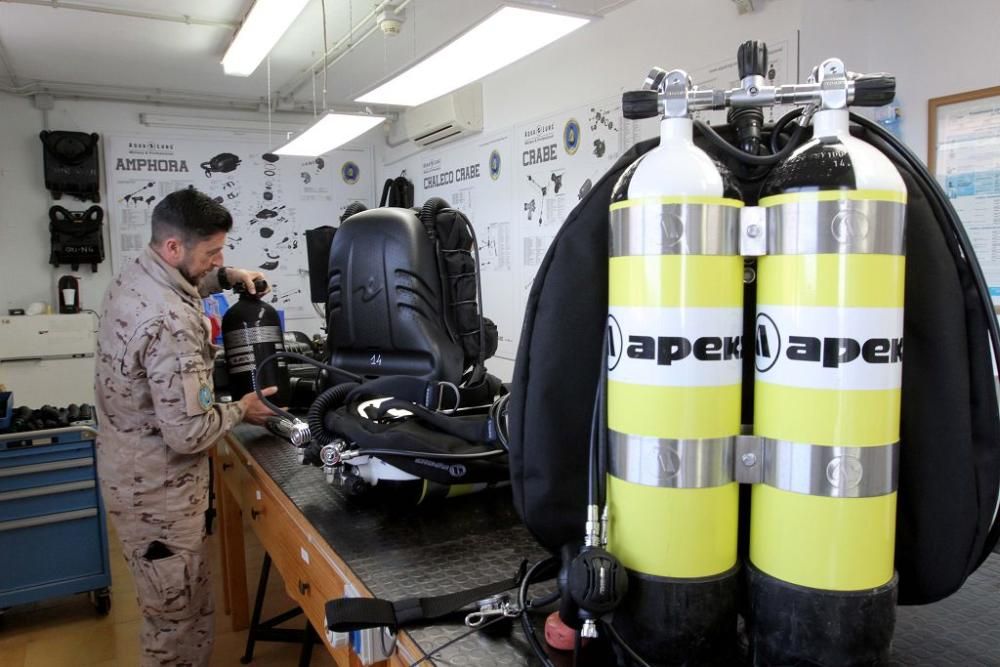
point(799, 348)
point(661, 346)
point(666, 350)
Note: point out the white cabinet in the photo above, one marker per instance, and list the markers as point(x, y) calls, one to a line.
point(48, 359)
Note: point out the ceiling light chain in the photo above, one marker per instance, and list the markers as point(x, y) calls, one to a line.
point(325, 68)
point(269, 100)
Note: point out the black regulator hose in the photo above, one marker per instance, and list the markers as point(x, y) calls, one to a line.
point(331, 399)
point(352, 208)
point(737, 154)
point(428, 215)
point(780, 126)
point(350, 377)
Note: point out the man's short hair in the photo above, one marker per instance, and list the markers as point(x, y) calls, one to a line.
point(189, 215)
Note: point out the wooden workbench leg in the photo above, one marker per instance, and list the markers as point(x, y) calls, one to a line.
point(219, 503)
point(234, 559)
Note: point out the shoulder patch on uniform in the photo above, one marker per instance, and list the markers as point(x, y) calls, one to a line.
point(205, 397)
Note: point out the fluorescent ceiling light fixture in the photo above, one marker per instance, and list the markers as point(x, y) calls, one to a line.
point(500, 39)
point(240, 125)
point(329, 132)
point(263, 26)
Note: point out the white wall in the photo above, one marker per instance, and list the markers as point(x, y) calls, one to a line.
point(24, 237)
point(934, 48)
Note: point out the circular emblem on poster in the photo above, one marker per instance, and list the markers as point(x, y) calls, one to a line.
point(495, 165)
point(350, 172)
point(571, 136)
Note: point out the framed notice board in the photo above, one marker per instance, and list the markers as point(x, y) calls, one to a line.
point(963, 153)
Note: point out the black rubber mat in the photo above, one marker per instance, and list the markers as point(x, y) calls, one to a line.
point(413, 551)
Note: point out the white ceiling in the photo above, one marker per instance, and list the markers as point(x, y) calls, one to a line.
point(63, 49)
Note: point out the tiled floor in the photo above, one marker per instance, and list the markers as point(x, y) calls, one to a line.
point(67, 632)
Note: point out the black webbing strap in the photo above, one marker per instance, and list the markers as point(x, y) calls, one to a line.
point(431, 395)
point(406, 387)
point(472, 430)
point(347, 614)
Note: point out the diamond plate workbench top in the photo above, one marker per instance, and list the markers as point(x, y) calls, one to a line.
point(414, 551)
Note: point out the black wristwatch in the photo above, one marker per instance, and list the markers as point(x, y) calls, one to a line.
point(223, 280)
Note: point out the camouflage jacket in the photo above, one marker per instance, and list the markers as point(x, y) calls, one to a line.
point(155, 402)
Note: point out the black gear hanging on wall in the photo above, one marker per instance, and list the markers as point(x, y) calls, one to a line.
point(71, 164)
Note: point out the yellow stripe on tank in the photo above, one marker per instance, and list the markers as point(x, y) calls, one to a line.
point(677, 199)
point(834, 195)
point(838, 544)
point(674, 412)
point(676, 280)
point(856, 418)
point(682, 533)
point(874, 281)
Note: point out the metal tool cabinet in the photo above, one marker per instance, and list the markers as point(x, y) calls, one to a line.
point(53, 532)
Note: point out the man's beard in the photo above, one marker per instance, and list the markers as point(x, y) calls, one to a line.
point(183, 270)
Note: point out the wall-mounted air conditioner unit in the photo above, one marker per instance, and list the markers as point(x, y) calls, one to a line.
point(439, 121)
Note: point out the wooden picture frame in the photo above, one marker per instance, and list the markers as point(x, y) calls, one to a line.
point(935, 103)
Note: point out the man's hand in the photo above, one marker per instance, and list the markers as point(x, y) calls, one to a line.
point(254, 411)
point(245, 276)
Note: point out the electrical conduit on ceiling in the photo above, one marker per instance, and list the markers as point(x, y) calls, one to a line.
point(169, 97)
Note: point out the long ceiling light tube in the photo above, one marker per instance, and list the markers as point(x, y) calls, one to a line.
point(332, 130)
point(505, 36)
point(263, 26)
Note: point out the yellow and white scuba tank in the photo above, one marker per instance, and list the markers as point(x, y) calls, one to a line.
point(828, 355)
point(675, 324)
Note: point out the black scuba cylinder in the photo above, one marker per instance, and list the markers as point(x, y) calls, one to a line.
point(251, 332)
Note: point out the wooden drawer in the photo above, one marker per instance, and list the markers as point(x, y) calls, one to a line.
point(309, 579)
point(230, 468)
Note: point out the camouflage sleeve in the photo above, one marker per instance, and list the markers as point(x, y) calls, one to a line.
point(181, 387)
point(209, 284)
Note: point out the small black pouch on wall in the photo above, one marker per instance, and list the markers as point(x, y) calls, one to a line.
point(71, 164)
point(76, 237)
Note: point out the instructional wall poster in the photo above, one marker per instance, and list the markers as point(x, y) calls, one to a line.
point(273, 200)
point(517, 186)
point(968, 168)
point(560, 158)
point(474, 176)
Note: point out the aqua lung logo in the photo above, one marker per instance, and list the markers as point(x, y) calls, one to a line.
point(673, 229)
point(571, 136)
point(850, 225)
point(350, 172)
point(457, 470)
point(495, 165)
point(844, 472)
point(829, 351)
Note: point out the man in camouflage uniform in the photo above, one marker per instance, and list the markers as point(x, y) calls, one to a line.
point(157, 419)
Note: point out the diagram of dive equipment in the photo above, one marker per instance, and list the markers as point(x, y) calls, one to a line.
point(223, 163)
point(141, 197)
point(307, 173)
point(556, 179)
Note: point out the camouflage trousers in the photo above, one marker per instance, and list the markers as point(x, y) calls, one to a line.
point(174, 589)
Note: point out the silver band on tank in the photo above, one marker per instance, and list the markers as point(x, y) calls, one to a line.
point(845, 226)
point(253, 336)
point(675, 229)
point(834, 472)
point(671, 463)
